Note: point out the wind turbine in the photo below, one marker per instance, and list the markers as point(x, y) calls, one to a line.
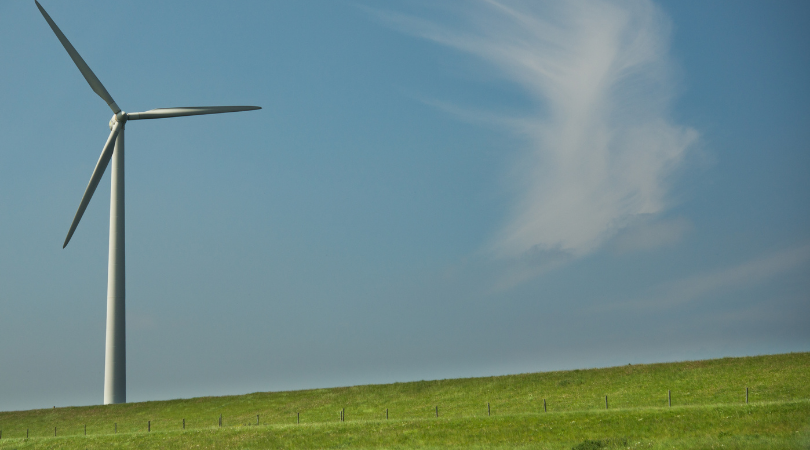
point(115, 378)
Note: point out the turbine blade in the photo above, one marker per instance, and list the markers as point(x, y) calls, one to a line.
point(162, 113)
point(91, 78)
point(101, 166)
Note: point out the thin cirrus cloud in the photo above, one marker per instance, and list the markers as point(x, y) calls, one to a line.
point(728, 279)
point(601, 150)
point(645, 235)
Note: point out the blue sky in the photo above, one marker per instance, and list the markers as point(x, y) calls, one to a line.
point(430, 191)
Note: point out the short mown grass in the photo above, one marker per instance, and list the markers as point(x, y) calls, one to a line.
point(708, 399)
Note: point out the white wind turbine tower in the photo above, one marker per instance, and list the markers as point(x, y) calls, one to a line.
point(115, 379)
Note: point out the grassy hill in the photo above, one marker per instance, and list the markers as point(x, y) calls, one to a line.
point(708, 410)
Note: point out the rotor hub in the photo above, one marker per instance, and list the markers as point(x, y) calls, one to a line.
point(120, 116)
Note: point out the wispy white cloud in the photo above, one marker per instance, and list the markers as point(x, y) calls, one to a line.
point(601, 147)
point(717, 282)
point(650, 234)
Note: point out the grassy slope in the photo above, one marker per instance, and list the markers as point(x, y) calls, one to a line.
point(708, 409)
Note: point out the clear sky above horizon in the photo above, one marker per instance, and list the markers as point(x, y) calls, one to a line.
point(431, 190)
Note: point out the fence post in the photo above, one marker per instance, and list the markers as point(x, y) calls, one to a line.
point(489, 411)
point(257, 419)
point(746, 395)
point(116, 427)
point(220, 420)
point(437, 411)
point(299, 417)
point(669, 397)
point(184, 424)
point(54, 428)
point(149, 426)
point(386, 413)
point(85, 429)
point(606, 403)
point(544, 406)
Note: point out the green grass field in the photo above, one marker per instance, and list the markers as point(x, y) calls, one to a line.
point(708, 410)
